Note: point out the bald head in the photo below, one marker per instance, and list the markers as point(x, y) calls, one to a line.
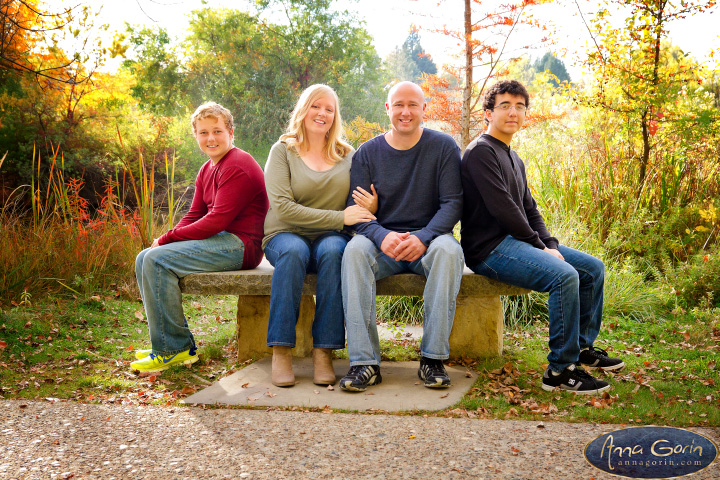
point(406, 109)
point(406, 87)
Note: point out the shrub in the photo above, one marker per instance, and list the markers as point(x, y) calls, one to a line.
point(697, 283)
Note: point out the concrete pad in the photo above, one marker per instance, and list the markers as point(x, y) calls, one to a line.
point(400, 390)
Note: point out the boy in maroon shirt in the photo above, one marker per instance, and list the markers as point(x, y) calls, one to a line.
point(221, 231)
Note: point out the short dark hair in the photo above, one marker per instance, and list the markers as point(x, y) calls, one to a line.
point(512, 87)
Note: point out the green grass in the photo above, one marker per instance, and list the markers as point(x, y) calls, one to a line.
point(81, 351)
point(670, 376)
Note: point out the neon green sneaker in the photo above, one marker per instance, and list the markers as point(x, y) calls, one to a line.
point(140, 354)
point(158, 363)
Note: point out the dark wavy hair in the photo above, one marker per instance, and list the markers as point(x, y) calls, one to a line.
point(513, 87)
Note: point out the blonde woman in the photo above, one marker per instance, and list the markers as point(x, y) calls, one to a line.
point(307, 177)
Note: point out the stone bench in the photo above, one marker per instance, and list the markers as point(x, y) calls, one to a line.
point(477, 329)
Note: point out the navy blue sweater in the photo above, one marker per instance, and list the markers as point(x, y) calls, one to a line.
point(419, 190)
point(497, 202)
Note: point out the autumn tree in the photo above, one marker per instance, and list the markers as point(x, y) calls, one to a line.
point(61, 100)
point(638, 74)
point(485, 40)
point(25, 25)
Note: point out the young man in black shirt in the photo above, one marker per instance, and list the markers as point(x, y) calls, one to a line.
point(504, 237)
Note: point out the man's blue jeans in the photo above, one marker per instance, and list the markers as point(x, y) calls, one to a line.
point(576, 292)
point(363, 264)
point(158, 271)
point(293, 256)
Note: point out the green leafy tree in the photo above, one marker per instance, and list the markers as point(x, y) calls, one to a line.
point(157, 70)
point(423, 63)
point(399, 66)
point(551, 64)
point(257, 68)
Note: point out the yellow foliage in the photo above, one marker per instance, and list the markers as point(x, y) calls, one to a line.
point(710, 215)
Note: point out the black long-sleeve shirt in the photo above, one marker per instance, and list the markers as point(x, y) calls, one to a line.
point(497, 201)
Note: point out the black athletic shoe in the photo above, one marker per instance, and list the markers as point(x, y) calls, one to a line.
point(433, 373)
point(573, 379)
point(360, 377)
point(598, 358)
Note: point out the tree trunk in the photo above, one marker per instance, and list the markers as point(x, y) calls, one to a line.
point(467, 89)
point(645, 122)
point(649, 113)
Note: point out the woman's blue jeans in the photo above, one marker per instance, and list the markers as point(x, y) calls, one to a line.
point(293, 256)
point(158, 272)
point(576, 292)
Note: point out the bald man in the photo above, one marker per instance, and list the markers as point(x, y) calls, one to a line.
point(416, 172)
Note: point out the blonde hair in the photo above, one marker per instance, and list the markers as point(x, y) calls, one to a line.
point(212, 110)
point(294, 137)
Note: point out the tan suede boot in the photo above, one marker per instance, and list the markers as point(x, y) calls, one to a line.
point(322, 364)
point(282, 372)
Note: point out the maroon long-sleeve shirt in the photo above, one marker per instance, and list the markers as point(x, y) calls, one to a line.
point(229, 196)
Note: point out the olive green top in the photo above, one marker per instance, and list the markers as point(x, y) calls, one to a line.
point(302, 200)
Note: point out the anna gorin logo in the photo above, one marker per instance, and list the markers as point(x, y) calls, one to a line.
point(651, 452)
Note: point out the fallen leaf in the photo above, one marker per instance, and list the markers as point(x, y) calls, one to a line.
point(139, 315)
point(187, 390)
point(245, 385)
point(410, 437)
point(444, 396)
point(3, 344)
point(468, 374)
point(540, 425)
point(270, 394)
point(330, 387)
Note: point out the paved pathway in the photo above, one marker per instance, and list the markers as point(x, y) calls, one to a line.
point(400, 390)
point(43, 440)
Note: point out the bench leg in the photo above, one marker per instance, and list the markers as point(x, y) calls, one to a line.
point(252, 323)
point(303, 329)
point(478, 328)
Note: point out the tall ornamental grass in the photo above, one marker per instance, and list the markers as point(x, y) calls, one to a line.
point(54, 242)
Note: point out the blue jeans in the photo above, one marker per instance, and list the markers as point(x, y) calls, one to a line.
point(158, 271)
point(575, 286)
point(293, 256)
point(363, 264)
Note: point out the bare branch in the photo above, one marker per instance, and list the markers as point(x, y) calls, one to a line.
point(143, 10)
